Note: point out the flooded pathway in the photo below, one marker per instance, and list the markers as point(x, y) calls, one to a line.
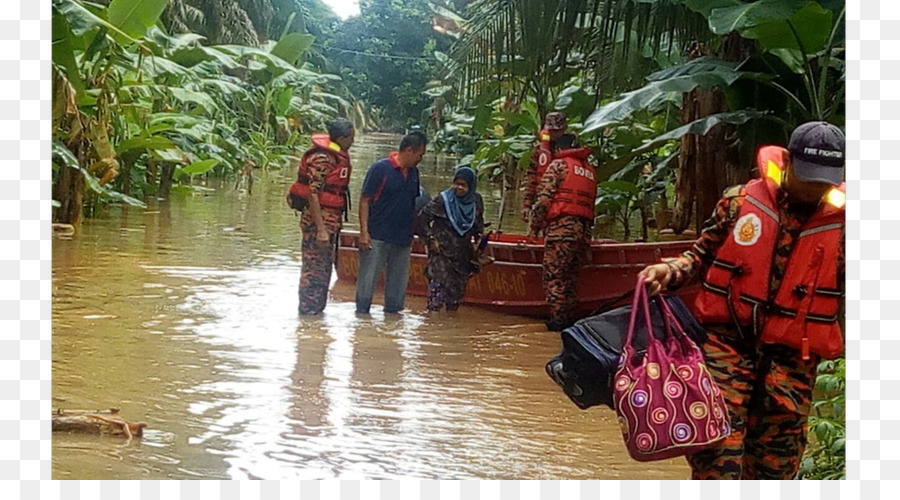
point(184, 316)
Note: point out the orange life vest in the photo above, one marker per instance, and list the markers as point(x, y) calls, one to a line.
point(544, 154)
point(334, 193)
point(578, 190)
point(736, 289)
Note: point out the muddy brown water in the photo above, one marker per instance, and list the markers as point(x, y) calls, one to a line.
point(183, 315)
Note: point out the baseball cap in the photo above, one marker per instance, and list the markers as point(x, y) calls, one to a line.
point(555, 121)
point(817, 152)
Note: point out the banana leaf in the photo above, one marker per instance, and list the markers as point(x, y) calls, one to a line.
point(292, 46)
point(654, 92)
point(133, 17)
point(151, 142)
point(702, 126)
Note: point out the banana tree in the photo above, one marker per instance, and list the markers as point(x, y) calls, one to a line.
point(92, 47)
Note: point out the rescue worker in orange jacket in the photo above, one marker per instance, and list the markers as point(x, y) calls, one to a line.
point(773, 265)
point(321, 191)
point(564, 210)
point(554, 126)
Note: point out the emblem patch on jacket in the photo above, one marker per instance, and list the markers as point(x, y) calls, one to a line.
point(747, 230)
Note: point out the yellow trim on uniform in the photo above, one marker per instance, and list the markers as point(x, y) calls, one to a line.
point(545, 137)
point(836, 198)
point(335, 146)
point(774, 172)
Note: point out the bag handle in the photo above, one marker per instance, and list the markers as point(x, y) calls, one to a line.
point(673, 326)
point(640, 299)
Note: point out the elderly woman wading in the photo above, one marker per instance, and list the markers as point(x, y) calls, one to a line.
point(450, 222)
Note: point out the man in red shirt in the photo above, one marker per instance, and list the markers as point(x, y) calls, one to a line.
point(386, 213)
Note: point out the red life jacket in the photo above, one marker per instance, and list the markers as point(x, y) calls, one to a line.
point(544, 154)
point(804, 311)
point(578, 190)
point(337, 182)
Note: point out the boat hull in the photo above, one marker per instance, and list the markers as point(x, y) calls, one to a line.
point(512, 284)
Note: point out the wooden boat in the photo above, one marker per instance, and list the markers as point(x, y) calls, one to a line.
point(512, 284)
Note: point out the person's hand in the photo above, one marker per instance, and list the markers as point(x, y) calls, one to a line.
point(526, 214)
point(365, 241)
point(434, 246)
point(657, 276)
point(322, 235)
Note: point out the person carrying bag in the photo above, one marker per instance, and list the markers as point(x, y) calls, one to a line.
point(667, 403)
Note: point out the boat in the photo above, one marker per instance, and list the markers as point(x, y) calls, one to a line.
point(512, 283)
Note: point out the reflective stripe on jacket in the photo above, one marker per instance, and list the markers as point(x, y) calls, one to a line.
point(736, 289)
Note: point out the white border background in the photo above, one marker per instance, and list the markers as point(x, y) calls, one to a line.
point(873, 387)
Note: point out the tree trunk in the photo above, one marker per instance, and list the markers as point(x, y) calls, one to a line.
point(165, 180)
point(707, 164)
point(69, 192)
point(126, 175)
point(152, 171)
point(103, 423)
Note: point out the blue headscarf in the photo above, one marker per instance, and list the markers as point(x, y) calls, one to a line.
point(461, 209)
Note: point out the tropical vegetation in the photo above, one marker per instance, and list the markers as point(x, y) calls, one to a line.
point(679, 91)
point(151, 93)
point(674, 97)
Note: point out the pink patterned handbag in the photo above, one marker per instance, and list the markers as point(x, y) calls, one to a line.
point(667, 402)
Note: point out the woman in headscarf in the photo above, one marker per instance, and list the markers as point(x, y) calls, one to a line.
point(450, 223)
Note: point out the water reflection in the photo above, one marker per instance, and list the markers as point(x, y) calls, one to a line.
point(183, 315)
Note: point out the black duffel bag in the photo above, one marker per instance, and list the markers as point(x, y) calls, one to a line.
point(591, 349)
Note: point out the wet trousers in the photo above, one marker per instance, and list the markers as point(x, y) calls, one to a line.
point(562, 261)
point(317, 260)
point(394, 261)
point(768, 391)
point(445, 294)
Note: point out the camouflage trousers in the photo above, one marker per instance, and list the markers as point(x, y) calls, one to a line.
point(315, 272)
point(768, 391)
point(562, 261)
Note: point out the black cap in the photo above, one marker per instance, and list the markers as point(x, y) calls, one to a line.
point(817, 153)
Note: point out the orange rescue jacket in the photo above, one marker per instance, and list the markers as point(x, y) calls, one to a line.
point(578, 190)
point(334, 193)
point(803, 311)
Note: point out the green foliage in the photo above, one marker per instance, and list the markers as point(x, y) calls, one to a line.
point(664, 86)
point(701, 127)
point(807, 39)
point(825, 457)
point(131, 99)
point(134, 17)
point(386, 58)
point(292, 46)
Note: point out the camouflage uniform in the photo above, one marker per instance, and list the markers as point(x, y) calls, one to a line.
point(553, 121)
point(768, 388)
point(566, 241)
point(317, 257)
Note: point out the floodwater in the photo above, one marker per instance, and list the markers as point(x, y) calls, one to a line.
point(183, 315)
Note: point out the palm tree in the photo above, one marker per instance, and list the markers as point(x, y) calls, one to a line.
point(533, 46)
